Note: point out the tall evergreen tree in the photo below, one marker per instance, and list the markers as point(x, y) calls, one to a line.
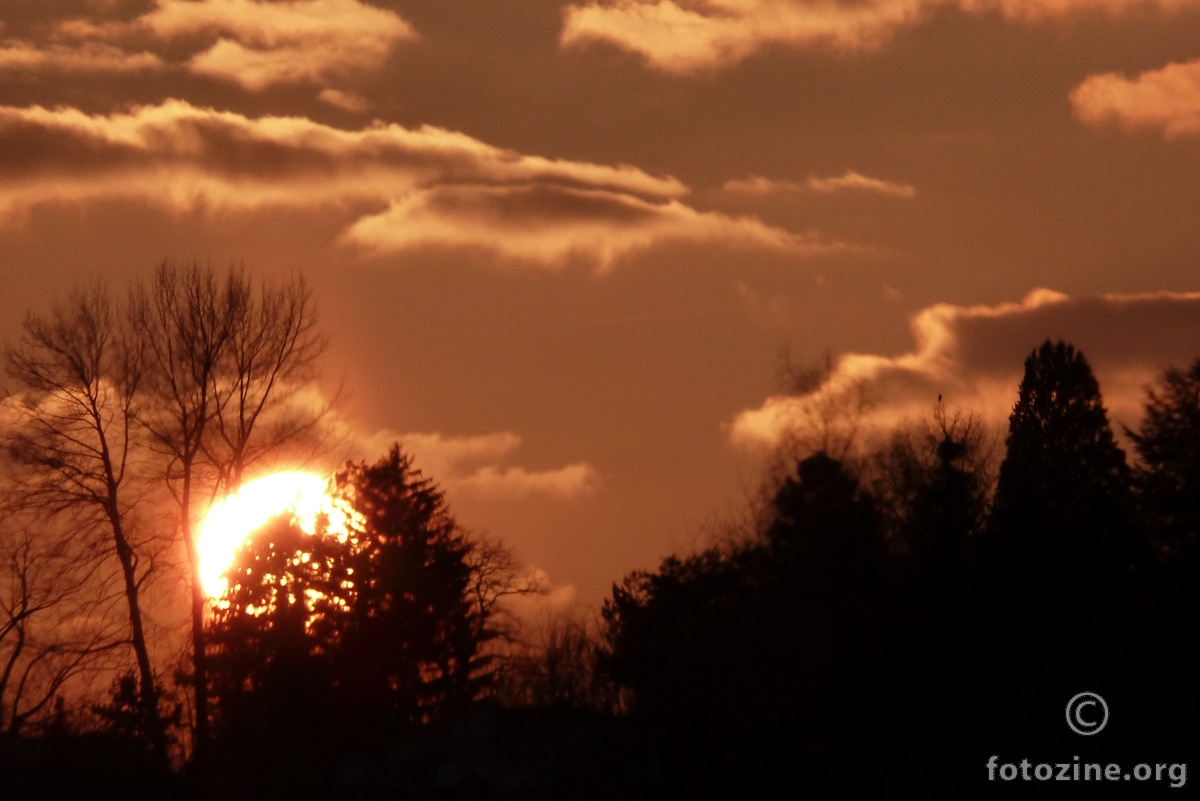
point(1063, 506)
point(1061, 555)
point(414, 636)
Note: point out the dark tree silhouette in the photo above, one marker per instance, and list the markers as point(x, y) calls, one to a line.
point(81, 375)
point(412, 643)
point(741, 658)
point(553, 663)
point(1062, 558)
point(1168, 443)
point(363, 627)
point(827, 528)
point(1063, 506)
point(1168, 480)
point(272, 639)
point(223, 355)
point(934, 484)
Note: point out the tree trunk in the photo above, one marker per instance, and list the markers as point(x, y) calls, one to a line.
point(199, 657)
point(149, 693)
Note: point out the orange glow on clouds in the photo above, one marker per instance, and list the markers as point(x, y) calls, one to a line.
point(231, 519)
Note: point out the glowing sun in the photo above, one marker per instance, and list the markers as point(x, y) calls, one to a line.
point(232, 518)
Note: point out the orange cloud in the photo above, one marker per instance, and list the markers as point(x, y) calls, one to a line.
point(347, 101)
point(1166, 99)
point(430, 187)
point(850, 181)
point(471, 466)
point(258, 44)
point(689, 36)
point(552, 224)
point(515, 483)
point(685, 36)
point(1035, 10)
point(24, 57)
point(973, 357)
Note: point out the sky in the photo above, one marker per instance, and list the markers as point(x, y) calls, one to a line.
point(559, 248)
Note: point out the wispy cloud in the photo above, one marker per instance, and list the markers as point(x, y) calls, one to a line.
point(689, 36)
point(849, 181)
point(1166, 99)
point(347, 101)
point(475, 466)
point(89, 57)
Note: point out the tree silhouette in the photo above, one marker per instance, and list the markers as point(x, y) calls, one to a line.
point(413, 638)
point(81, 375)
point(1061, 559)
point(54, 625)
point(1062, 512)
point(1168, 443)
point(271, 640)
point(933, 484)
point(366, 625)
point(826, 525)
point(1168, 480)
point(739, 657)
point(222, 355)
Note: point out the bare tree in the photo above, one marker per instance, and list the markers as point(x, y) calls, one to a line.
point(497, 577)
point(72, 430)
point(224, 359)
point(184, 320)
point(271, 358)
point(934, 478)
point(829, 410)
point(55, 621)
point(555, 661)
point(825, 412)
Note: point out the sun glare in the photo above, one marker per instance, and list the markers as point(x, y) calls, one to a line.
point(231, 519)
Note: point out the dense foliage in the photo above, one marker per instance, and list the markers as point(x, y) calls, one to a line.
point(890, 628)
point(329, 639)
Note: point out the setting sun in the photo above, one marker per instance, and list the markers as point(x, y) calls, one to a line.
point(235, 516)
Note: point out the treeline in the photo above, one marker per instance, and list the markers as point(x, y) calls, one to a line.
point(900, 621)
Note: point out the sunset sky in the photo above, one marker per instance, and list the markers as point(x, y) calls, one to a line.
point(559, 248)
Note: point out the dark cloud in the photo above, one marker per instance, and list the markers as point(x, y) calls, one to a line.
point(972, 356)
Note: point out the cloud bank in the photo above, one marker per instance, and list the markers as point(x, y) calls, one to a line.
point(973, 357)
point(259, 44)
point(409, 188)
point(684, 36)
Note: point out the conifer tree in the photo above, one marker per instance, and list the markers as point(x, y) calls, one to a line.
point(1063, 503)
